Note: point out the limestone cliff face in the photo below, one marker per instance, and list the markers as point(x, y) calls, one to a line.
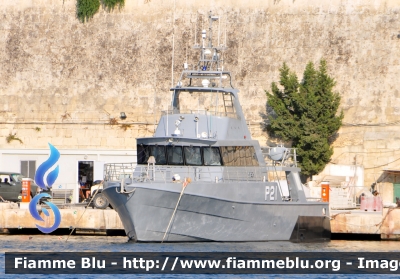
point(62, 81)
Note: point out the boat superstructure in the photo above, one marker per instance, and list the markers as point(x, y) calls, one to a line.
point(202, 178)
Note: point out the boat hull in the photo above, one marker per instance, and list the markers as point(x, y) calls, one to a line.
point(148, 215)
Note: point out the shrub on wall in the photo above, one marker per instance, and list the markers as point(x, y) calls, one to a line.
point(85, 9)
point(111, 4)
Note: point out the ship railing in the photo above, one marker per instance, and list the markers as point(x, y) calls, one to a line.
point(210, 112)
point(351, 196)
point(204, 174)
point(118, 171)
point(167, 174)
point(343, 196)
point(280, 156)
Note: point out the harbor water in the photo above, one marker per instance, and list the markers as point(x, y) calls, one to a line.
point(100, 244)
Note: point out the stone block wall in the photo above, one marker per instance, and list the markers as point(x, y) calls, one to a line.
point(62, 81)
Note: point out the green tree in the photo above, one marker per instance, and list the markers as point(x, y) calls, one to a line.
point(306, 113)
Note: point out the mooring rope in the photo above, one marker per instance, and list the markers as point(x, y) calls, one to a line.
point(73, 229)
point(185, 183)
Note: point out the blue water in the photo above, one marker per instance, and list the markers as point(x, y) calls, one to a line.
point(98, 244)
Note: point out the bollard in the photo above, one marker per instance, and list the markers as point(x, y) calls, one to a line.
point(370, 204)
point(377, 206)
point(363, 202)
point(325, 191)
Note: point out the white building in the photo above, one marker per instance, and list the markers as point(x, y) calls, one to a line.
point(74, 165)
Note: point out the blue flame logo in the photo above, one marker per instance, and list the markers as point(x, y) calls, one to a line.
point(51, 178)
point(45, 166)
point(35, 213)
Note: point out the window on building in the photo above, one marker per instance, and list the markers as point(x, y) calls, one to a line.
point(28, 169)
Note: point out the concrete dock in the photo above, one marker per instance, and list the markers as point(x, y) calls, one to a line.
point(91, 221)
point(385, 223)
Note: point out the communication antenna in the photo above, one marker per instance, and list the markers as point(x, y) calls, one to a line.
point(203, 36)
point(195, 32)
point(213, 18)
point(203, 19)
point(185, 65)
point(219, 25)
point(154, 101)
point(166, 131)
point(173, 47)
point(225, 33)
point(225, 46)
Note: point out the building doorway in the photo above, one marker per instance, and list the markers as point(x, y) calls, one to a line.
point(396, 192)
point(85, 172)
point(85, 178)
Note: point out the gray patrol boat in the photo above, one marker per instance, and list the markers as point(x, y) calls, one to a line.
point(202, 178)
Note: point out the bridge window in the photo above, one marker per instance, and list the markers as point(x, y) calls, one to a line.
point(143, 154)
point(175, 155)
point(145, 151)
point(211, 156)
point(192, 156)
point(198, 156)
point(159, 154)
point(239, 156)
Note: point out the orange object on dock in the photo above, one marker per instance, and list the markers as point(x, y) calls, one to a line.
point(26, 190)
point(325, 191)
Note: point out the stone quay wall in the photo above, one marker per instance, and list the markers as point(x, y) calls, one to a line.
point(65, 82)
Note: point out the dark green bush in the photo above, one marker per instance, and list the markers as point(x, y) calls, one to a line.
point(111, 4)
point(85, 9)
